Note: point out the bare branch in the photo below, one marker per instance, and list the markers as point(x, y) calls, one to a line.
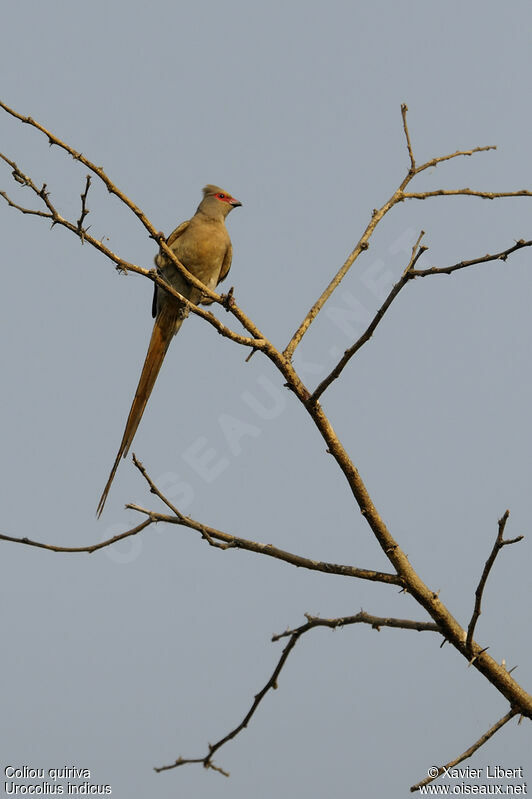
point(500, 542)
point(90, 548)
point(409, 273)
point(367, 334)
point(361, 618)
point(215, 538)
point(417, 252)
point(447, 270)
point(361, 246)
point(457, 154)
point(154, 489)
point(465, 755)
point(270, 685)
point(404, 109)
point(84, 209)
point(211, 534)
point(450, 628)
point(294, 636)
point(397, 197)
point(486, 195)
point(22, 209)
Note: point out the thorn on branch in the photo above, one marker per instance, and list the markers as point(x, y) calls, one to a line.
point(477, 655)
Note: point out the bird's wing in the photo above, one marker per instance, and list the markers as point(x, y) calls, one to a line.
point(180, 229)
point(161, 259)
point(226, 264)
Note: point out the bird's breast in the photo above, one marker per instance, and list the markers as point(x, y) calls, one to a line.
point(203, 253)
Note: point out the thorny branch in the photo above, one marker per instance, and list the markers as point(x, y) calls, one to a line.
point(410, 273)
point(89, 548)
point(417, 251)
point(469, 752)
point(397, 197)
point(227, 541)
point(376, 623)
point(448, 270)
point(84, 209)
point(486, 195)
point(215, 538)
point(500, 542)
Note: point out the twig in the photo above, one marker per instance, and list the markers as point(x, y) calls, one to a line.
point(211, 534)
point(397, 197)
point(417, 251)
point(84, 209)
point(215, 538)
point(457, 154)
point(450, 628)
point(22, 209)
point(465, 755)
point(500, 542)
point(155, 490)
point(91, 548)
point(361, 618)
point(486, 195)
point(409, 274)
point(294, 636)
point(270, 685)
point(404, 109)
point(448, 270)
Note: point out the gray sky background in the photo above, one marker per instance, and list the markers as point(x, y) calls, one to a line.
point(125, 659)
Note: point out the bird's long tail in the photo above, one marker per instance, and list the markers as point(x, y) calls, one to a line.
point(166, 325)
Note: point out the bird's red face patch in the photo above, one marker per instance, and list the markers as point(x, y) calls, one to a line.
point(226, 198)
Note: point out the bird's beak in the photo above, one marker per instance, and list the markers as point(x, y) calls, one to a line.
point(234, 202)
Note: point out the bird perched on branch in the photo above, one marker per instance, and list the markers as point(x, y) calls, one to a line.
point(203, 246)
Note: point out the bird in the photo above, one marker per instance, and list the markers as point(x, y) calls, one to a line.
point(203, 246)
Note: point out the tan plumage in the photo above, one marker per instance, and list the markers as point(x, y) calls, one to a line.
point(203, 246)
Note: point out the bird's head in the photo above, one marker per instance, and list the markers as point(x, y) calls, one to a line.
point(217, 202)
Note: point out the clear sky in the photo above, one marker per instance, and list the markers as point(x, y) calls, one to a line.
point(125, 659)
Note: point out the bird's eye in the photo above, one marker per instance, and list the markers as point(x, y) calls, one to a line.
point(221, 196)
